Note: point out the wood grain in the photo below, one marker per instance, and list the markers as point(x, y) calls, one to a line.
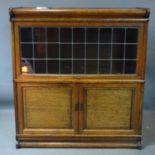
point(78, 13)
point(108, 108)
point(47, 107)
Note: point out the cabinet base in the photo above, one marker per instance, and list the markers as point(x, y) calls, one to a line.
point(77, 145)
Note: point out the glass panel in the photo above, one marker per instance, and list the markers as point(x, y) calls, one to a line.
point(66, 35)
point(78, 35)
point(78, 66)
point(91, 66)
point(79, 50)
point(52, 50)
point(40, 66)
point(131, 52)
point(118, 52)
point(105, 35)
point(53, 66)
point(130, 67)
point(105, 51)
point(118, 35)
point(117, 66)
point(27, 50)
point(39, 34)
point(91, 51)
point(104, 66)
point(39, 50)
point(66, 51)
point(132, 35)
point(66, 66)
point(52, 35)
point(26, 34)
point(92, 35)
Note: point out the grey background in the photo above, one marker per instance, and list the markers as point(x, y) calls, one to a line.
point(6, 87)
point(7, 125)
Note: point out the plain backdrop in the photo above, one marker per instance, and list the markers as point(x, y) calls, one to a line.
point(6, 87)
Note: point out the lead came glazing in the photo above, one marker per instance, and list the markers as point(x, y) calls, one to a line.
point(79, 50)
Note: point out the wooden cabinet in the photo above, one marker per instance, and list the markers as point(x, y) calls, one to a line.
point(78, 76)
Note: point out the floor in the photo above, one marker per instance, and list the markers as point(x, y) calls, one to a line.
point(7, 140)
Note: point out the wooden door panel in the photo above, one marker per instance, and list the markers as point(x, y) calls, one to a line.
point(108, 108)
point(47, 107)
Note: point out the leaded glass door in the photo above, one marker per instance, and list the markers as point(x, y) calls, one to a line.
point(79, 50)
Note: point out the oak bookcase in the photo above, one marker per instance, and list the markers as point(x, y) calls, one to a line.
point(78, 76)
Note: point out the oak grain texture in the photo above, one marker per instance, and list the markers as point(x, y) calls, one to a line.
point(78, 13)
point(108, 108)
point(47, 107)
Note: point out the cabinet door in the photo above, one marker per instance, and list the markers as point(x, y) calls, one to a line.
point(46, 109)
point(110, 109)
point(80, 50)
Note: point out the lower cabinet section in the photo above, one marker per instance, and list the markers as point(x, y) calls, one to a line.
point(79, 115)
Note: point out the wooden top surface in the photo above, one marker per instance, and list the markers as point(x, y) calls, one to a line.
point(46, 12)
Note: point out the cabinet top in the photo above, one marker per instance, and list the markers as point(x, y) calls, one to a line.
point(46, 12)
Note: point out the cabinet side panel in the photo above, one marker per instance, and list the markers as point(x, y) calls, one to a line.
point(47, 107)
